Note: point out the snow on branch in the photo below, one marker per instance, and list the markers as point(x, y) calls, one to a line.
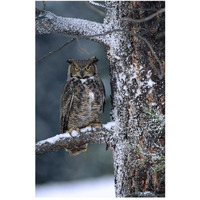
point(102, 134)
point(50, 23)
point(96, 4)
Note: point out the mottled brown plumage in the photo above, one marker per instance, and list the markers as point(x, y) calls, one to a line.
point(82, 99)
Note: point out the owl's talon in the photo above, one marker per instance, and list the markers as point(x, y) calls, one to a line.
point(71, 135)
point(71, 130)
point(92, 125)
point(77, 130)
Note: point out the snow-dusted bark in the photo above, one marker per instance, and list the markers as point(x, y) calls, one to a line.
point(51, 23)
point(85, 135)
point(137, 63)
point(137, 105)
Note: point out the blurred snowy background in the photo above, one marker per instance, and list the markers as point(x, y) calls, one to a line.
point(93, 187)
point(57, 173)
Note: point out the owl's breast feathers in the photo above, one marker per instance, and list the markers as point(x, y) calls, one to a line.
point(82, 103)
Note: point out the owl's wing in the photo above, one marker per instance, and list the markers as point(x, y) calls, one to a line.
point(102, 90)
point(67, 97)
point(104, 95)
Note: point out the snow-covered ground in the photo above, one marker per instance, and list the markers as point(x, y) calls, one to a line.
point(95, 187)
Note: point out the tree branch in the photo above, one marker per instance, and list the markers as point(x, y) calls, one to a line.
point(54, 51)
point(50, 23)
point(44, 5)
point(146, 18)
point(86, 135)
point(79, 28)
point(91, 6)
point(160, 73)
point(81, 49)
point(96, 4)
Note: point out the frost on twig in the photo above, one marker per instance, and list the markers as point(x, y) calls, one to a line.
point(54, 51)
point(84, 51)
point(96, 4)
point(86, 135)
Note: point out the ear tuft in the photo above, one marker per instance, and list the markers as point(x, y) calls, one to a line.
point(69, 61)
point(94, 59)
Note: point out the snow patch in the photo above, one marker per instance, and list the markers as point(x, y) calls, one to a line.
point(138, 92)
point(52, 140)
point(122, 77)
point(109, 125)
point(134, 76)
point(146, 194)
point(96, 4)
point(117, 57)
point(50, 15)
point(150, 83)
point(93, 187)
point(74, 133)
point(86, 129)
point(141, 67)
point(149, 73)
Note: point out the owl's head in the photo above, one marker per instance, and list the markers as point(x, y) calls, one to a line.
point(82, 68)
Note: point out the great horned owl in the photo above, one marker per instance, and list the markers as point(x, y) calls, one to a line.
point(82, 99)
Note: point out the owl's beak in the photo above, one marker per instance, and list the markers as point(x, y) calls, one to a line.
point(82, 74)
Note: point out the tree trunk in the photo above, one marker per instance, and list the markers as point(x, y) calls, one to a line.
point(133, 33)
point(137, 86)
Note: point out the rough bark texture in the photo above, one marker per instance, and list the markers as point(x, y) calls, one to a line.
point(137, 100)
point(137, 61)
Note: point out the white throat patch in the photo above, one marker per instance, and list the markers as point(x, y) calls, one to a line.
point(91, 95)
point(85, 79)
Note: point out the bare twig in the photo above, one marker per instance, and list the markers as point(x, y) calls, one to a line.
point(84, 28)
point(44, 5)
point(147, 30)
point(56, 50)
point(96, 4)
point(39, 14)
point(146, 18)
point(91, 6)
point(102, 134)
point(82, 49)
point(160, 74)
point(145, 9)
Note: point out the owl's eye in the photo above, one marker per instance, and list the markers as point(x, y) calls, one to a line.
point(76, 68)
point(88, 68)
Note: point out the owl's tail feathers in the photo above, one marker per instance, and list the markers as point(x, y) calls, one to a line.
point(77, 149)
